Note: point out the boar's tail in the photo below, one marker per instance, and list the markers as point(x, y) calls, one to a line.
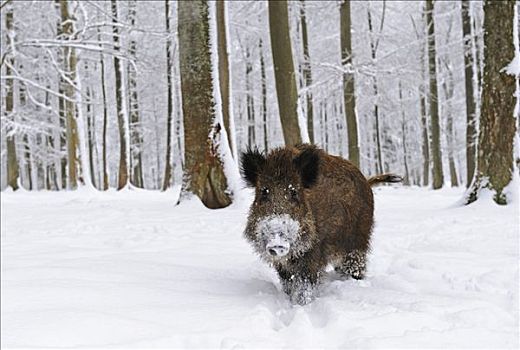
point(374, 180)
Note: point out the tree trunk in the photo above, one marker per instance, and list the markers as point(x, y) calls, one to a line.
point(406, 180)
point(349, 96)
point(203, 174)
point(264, 94)
point(250, 103)
point(223, 71)
point(470, 97)
point(449, 89)
point(284, 71)
point(374, 43)
point(497, 122)
point(136, 140)
point(69, 55)
point(105, 120)
point(121, 113)
point(438, 177)
point(306, 71)
point(169, 62)
point(12, 162)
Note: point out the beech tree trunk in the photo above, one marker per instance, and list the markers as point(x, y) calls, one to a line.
point(223, 71)
point(104, 185)
point(438, 177)
point(203, 174)
point(264, 94)
point(497, 122)
point(123, 166)
point(284, 71)
point(169, 117)
point(307, 72)
point(374, 43)
point(136, 140)
point(349, 96)
point(250, 103)
point(69, 54)
point(12, 162)
point(470, 97)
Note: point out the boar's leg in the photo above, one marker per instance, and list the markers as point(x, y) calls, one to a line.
point(300, 283)
point(353, 264)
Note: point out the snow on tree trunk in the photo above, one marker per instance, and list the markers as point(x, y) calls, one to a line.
point(285, 77)
point(225, 79)
point(169, 67)
point(497, 121)
point(349, 96)
point(438, 177)
point(12, 162)
point(70, 62)
point(204, 174)
point(120, 103)
point(470, 97)
point(307, 73)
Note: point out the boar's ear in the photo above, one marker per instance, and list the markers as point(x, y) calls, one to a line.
point(307, 163)
point(251, 163)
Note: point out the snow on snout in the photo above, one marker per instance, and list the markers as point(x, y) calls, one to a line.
point(278, 232)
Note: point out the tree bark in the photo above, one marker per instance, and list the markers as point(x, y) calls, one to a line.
point(264, 94)
point(136, 140)
point(285, 78)
point(497, 122)
point(406, 180)
point(250, 103)
point(69, 54)
point(105, 121)
point(374, 43)
point(307, 72)
point(223, 71)
point(169, 116)
point(203, 174)
point(12, 161)
point(438, 177)
point(123, 166)
point(470, 97)
point(349, 96)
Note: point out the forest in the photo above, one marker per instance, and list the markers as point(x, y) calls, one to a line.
point(123, 126)
point(152, 94)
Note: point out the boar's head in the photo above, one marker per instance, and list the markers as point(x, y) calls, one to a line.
point(280, 224)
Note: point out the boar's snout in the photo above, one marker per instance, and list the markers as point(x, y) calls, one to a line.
point(278, 232)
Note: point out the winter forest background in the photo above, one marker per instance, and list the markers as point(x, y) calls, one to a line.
point(91, 90)
point(112, 110)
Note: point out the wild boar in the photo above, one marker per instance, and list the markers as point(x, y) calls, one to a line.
point(310, 209)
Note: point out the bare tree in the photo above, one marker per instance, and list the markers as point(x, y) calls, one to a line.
point(284, 71)
point(12, 162)
point(349, 96)
point(470, 97)
point(223, 70)
point(438, 177)
point(306, 72)
point(203, 174)
point(169, 116)
point(69, 54)
point(121, 112)
point(497, 121)
point(374, 44)
point(136, 163)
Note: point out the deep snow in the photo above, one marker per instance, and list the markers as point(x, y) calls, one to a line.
point(130, 269)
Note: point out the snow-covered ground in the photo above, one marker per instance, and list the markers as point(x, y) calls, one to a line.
point(130, 269)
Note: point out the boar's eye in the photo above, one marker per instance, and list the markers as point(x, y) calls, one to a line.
point(264, 193)
point(293, 193)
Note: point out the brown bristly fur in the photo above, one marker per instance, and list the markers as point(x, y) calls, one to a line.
point(333, 204)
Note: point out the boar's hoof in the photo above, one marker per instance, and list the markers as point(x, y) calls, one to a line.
point(352, 265)
point(300, 291)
